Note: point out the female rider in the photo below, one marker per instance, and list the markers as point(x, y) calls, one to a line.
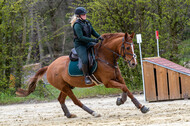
point(82, 38)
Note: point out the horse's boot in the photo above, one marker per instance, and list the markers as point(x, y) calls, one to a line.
point(86, 74)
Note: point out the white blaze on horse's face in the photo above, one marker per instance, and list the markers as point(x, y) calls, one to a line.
point(128, 50)
point(129, 54)
point(133, 53)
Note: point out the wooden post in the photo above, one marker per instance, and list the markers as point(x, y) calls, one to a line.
point(162, 83)
point(185, 85)
point(174, 86)
point(149, 82)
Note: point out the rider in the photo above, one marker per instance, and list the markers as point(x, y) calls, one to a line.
point(82, 38)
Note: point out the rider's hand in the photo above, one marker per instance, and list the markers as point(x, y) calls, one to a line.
point(101, 38)
point(96, 40)
point(91, 44)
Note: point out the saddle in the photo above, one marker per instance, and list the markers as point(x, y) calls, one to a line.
point(75, 65)
point(91, 58)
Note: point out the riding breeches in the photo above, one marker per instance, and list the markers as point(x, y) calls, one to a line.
point(82, 53)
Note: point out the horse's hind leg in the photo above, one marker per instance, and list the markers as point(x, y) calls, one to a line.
point(69, 92)
point(61, 99)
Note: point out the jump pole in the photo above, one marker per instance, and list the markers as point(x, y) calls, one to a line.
point(139, 40)
point(157, 38)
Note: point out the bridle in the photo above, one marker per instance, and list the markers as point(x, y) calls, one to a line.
point(116, 55)
point(124, 51)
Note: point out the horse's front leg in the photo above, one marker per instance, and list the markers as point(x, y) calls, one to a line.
point(121, 100)
point(120, 79)
point(123, 87)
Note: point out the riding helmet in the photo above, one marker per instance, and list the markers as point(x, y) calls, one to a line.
point(80, 11)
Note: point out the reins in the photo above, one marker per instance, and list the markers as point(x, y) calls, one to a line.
point(115, 54)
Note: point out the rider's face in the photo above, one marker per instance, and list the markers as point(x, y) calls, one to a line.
point(83, 16)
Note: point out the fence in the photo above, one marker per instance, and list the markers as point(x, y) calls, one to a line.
point(165, 80)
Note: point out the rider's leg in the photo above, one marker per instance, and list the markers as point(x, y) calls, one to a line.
point(82, 53)
point(86, 74)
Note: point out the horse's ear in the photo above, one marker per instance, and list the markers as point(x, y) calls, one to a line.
point(126, 36)
point(132, 35)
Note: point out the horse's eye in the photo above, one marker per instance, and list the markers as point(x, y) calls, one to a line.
point(127, 48)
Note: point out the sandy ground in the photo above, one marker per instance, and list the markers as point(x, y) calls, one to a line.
point(172, 113)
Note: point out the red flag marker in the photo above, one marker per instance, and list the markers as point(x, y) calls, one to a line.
point(157, 35)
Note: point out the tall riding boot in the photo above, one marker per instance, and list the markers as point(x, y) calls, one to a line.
point(86, 74)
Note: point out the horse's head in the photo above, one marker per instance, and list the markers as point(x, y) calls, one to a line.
point(117, 45)
point(127, 50)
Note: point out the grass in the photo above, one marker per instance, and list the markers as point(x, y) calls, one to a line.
point(94, 91)
point(49, 93)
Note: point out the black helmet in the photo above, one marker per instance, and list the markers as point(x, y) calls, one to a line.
point(80, 11)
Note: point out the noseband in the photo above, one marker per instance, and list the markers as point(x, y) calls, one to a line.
point(123, 50)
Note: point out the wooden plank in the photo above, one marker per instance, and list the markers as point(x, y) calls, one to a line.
point(162, 83)
point(185, 85)
point(174, 87)
point(149, 79)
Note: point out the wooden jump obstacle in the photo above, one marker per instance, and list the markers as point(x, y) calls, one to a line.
point(165, 80)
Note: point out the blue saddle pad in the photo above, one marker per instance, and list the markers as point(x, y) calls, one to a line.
point(74, 70)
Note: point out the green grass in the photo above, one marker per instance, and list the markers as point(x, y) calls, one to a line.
point(49, 93)
point(94, 91)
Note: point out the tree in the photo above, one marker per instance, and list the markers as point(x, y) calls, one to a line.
point(13, 34)
point(170, 17)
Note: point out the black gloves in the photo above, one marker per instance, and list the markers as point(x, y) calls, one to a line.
point(96, 40)
point(91, 44)
point(100, 38)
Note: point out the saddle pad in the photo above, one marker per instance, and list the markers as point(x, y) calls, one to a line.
point(74, 70)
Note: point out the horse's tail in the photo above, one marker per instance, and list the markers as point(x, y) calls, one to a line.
point(32, 83)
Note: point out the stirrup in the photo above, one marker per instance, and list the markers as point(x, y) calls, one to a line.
point(87, 80)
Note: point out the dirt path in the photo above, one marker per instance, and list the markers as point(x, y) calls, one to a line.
point(173, 113)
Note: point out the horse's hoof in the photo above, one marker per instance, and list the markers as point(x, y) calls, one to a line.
point(72, 116)
point(119, 101)
point(96, 114)
point(144, 109)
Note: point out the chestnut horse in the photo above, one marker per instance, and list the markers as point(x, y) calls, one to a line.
point(107, 53)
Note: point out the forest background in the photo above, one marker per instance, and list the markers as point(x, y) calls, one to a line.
point(38, 31)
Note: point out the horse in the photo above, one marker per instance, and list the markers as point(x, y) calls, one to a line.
point(107, 52)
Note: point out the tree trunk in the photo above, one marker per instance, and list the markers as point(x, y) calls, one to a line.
point(64, 38)
point(21, 54)
point(40, 43)
point(54, 28)
point(47, 43)
point(31, 35)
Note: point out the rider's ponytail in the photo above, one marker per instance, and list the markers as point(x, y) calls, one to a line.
point(73, 20)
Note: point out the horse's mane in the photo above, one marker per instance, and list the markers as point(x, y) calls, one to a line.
point(111, 36)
